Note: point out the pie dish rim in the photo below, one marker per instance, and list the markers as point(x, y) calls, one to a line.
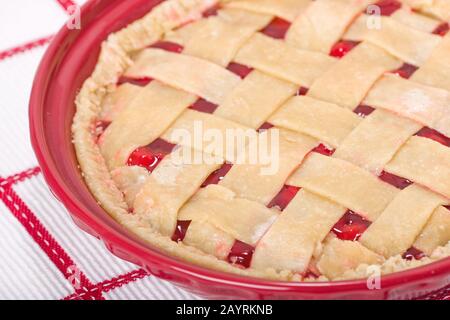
point(115, 239)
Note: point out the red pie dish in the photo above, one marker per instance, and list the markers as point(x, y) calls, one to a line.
point(358, 205)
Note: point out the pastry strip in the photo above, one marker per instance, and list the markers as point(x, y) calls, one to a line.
point(261, 181)
point(280, 60)
point(436, 233)
point(434, 72)
point(188, 73)
point(255, 99)
point(233, 17)
point(427, 105)
point(143, 121)
point(309, 31)
point(286, 9)
point(322, 120)
point(340, 256)
point(395, 231)
point(408, 44)
point(344, 183)
point(437, 8)
point(407, 17)
point(245, 220)
point(347, 82)
point(218, 41)
point(424, 161)
point(290, 242)
point(416, 20)
point(209, 134)
point(209, 239)
point(118, 100)
point(168, 188)
point(376, 140)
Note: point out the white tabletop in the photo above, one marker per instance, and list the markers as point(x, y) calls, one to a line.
point(42, 253)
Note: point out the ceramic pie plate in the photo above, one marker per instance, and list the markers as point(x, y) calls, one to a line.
point(68, 62)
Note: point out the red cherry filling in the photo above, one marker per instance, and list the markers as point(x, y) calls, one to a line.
point(181, 230)
point(241, 254)
point(201, 105)
point(218, 175)
point(351, 226)
point(323, 149)
point(143, 157)
point(396, 181)
point(343, 47)
point(284, 197)
point(239, 69)
point(434, 135)
point(302, 91)
point(141, 82)
point(150, 157)
point(363, 111)
point(277, 28)
point(388, 7)
point(413, 253)
point(405, 71)
point(168, 46)
point(442, 29)
point(213, 11)
point(266, 126)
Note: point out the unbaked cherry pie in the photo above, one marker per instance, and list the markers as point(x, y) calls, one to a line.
point(358, 92)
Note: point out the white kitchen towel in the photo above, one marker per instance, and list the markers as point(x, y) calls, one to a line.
point(42, 252)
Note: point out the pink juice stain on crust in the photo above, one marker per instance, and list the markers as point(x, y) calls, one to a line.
point(99, 129)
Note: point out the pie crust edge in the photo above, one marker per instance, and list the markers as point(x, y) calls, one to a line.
point(114, 59)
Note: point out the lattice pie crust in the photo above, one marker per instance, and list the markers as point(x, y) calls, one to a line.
point(382, 170)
